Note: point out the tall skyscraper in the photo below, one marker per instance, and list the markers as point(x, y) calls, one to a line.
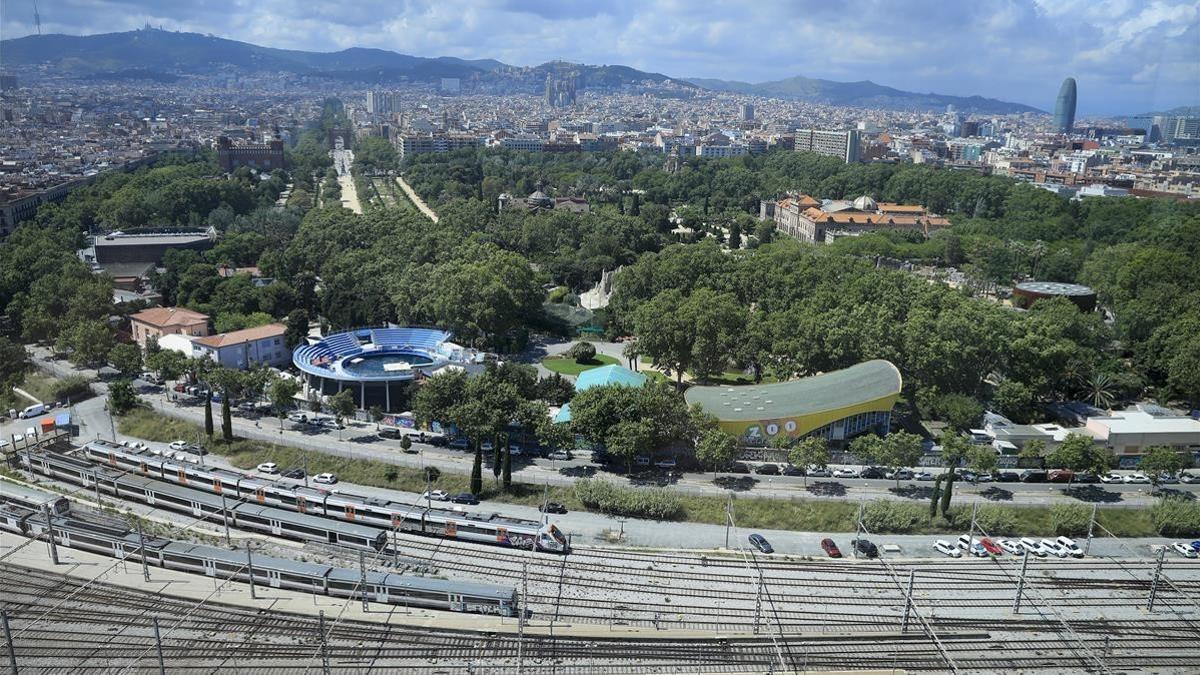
point(561, 89)
point(1064, 108)
point(747, 112)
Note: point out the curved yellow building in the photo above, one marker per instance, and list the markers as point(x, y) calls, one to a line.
point(837, 405)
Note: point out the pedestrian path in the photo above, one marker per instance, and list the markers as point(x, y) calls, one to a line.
point(416, 199)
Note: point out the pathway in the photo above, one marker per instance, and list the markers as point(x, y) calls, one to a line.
point(416, 199)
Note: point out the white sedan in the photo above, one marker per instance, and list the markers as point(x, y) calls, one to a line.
point(1111, 478)
point(268, 467)
point(1033, 547)
point(179, 445)
point(1183, 549)
point(845, 473)
point(1054, 547)
point(1137, 478)
point(436, 495)
point(1012, 547)
point(944, 547)
point(325, 478)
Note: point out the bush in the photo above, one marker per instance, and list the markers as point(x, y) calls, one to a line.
point(558, 294)
point(883, 515)
point(1070, 519)
point(993, 520)
point(583, 352)
point(73, 386)
point(606, 497)
point(1175, 517)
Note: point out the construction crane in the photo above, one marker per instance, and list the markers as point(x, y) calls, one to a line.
point(37, 18)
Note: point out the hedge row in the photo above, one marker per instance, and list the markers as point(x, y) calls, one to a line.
point(606, 497)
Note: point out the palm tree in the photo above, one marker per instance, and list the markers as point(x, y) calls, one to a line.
point(1100, 389)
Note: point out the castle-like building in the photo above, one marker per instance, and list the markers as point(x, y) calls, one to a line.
point(262, 156)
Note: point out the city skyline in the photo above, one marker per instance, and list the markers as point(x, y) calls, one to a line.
point(1127, 58)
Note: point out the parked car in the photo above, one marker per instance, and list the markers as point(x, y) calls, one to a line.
point(1033, 547)
point(1054, 548)
point(739, 467)
point(1167, 479)
point(1086, 477)
point(1184, 550)
point(552, 507)
point(330, 423)
point(561, 455)
point(32, 411)
point(1112, 478)
point(1137, 478)
point(899, 474)
point(922, 476)
point(767, 469)
point(944, 547)
point(760, 542)
point(666, 464)
point(390, 433)
point(967, 475)
point(1070, 546)
point(830, 548)
point(325, 478)
point(464, 498)
point(1012, 547)
point(459, 444)
point(1008, 477)
point(1196, 545)
point(845, 473)
point(1033, 476)
point(516, 450)
point(1060, 476)
point(991, 547)
point(294, 473)
point(487, 446)
point(297, 417)
point(984, 478)
point(180, 445)
point(866, 548)
point(641, 460)
point(268, 467)
point(819, 472)
point(436, 495)
point(872, 472)
point(1188, 477)
point(790, 470)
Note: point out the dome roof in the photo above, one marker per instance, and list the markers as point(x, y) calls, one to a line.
point(865, 203)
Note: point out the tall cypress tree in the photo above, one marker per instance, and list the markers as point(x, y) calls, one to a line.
point(226, 418)
point(477, 470)
point(507, 480)
point(208, 420)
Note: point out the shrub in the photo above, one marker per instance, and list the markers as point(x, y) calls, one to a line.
point(73, 386)
point(606, 497)
point(583, 352)
point(884, 515)
point(993, 520)
point(1070, 519)
point(1175, 517)
point(558, 294)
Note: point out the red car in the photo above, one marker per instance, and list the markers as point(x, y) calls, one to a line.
point(831, 548)
point(991, 546)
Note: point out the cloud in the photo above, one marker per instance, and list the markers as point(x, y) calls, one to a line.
point(1126, 54)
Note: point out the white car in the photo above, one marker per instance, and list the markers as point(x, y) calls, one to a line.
point(922, 475)
point(136, 445)
point(1033, 547)
point(1137, 478)
point(180, 445)
point(325, 478)
point(845, 473)
point(560, 455)
point(1189, 477)
point(1054, 547)
point(1167, 479)
point(1111, 478)
point(1183, 549)
point(1069, 544)
point(1012, 547)
point(268, 467)
point(819, 472)
point(944, 547)
point(436, 495)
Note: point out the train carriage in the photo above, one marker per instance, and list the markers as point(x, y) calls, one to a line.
point(36, 500)
point(13, 517)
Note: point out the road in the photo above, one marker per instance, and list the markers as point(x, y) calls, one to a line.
point(343, 159)
point(416, 199)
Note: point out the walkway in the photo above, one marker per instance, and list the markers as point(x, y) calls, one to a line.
point(416, 199)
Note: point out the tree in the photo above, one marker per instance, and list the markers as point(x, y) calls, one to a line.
point(226, 420)
point(583, 352)
point(297, 328)
point(555, 390)
point(959, 411)
point(208, 416)
point(981, 459)
point(1078, 453)
point(1014, 400)
point(716, 448)
point(506, 479)
point(88, 341)
point(438, 396)
point(376, 413)
point(1183, 373)
point(14, 364)
point(629, 439)
point(1099, 389)
point(121, 397)
point(405, 443)
point(229, 382)
point(126, 358)
point(343, 405)
point(811, 452)
point(955, 449)
point(167, 363)
point(900, 450)
point(1162, 461)
point(868, 448)
point(282, 393)
point(477, 470)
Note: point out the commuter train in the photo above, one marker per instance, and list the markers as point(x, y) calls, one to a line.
point(487, 528)
point(396, 589)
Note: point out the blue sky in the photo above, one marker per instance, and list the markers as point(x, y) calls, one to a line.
point(1127, 55)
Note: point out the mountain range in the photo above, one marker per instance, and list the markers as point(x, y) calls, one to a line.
point(161, 55)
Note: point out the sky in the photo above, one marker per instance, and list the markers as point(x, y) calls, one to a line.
point(1126, 55)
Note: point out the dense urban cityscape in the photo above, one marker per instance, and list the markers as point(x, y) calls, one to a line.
point(774, 375)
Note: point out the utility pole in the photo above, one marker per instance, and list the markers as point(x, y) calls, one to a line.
point(908, 601)
point(758, 589)
point(225, 517)
point(142, 550)
point(728, 517)
point(162, 667)
point(971, 531)
point(1087, 545)
point(324, 651)
point(50, 534)
point(1021, 583)
point(524, 607)
point(8, 641)
point(362, 584)
point(250, 568)
point(857, 530)
point(1154, 582)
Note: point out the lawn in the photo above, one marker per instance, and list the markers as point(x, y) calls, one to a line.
point(798, 514)
point(568, 366)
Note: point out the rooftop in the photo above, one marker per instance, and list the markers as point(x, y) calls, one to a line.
point(169, 316)
point(1054, 288)
point(857, 384)
point(245, 335)
point(610, 374)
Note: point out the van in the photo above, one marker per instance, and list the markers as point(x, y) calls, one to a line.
point(33, 410)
